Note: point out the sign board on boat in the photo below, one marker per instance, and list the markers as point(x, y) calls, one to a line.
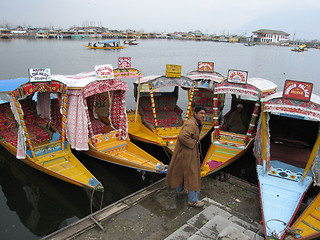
point(237, 76)
point(104, 72)
point(124, 62)
point(205, 66)
point(173, 71)
point(39, 75)
point(297, 90)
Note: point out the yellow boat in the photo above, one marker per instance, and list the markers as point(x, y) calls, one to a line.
point(26, 133)
point(157, 118)
point(226, 146)
point(97, 122)
point(205, 79)
point(106, 45)
point(307, 226)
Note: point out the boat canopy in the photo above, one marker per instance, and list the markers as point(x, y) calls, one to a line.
point(255, 88)
point(110, 41)
point(81, 86)
point(10, 84)
point(308, 110)
point(163, 81)
point(126, 73)
point(206, 79)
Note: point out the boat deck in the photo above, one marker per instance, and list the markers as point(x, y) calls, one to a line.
point(223, 151)
point(281, 197)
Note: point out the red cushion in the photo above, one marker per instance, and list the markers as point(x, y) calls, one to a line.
point(7, 121)
point(36, 133)
point(165, 119)
point(97, 126)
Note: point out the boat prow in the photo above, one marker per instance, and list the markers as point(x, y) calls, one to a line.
point(109, 148)
point(281, 193)
point(225, 150)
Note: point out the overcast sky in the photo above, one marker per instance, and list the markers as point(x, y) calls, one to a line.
point(298, 18)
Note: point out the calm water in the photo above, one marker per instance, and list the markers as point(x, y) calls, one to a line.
point(33, 204)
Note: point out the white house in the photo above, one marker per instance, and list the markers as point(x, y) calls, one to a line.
point(270, 36)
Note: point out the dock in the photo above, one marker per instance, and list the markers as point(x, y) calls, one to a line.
point(232, 211)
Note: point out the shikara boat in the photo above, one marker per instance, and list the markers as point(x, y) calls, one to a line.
point(227, 146)
point(286, 148)
point(26, 133)
point(158, 119)
point(205, 79)
point(97, 122)
point(106, 45)
point(307, 226)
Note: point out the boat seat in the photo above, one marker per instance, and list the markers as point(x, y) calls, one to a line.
point(203, 98)
point(97, 126)
point(291, 151)
point(37, 126)
point(168, 113)
point(36, 133)
point(165, 119)
point(7, 119)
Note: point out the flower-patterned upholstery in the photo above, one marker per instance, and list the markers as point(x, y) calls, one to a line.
point(204, 98)
point(168, 113)
point(7, 120)
point(36, 125)
point(36, 133)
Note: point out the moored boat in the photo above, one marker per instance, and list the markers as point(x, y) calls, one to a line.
point(158, 119)
point(205, 79)
point(97, 122)
point(106, 45)
point(228, 142)
point(307, 226)
point(26, 132)
point(286, 147)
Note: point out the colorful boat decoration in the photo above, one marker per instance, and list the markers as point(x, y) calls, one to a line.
point(227, 146)
point(286, 149)
point(307, 226)
point(26, 132)
point(205, 79)
point(157, 118)
point(106, 45)
point(97, 113)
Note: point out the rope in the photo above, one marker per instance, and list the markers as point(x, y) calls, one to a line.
point(166, 152)
point(275, 235)
point(91, 200)
point(293, 233)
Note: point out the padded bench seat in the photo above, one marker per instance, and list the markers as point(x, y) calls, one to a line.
point(165, 119)
point(36, 133)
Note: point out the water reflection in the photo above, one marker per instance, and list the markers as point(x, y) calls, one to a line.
point(44, 204)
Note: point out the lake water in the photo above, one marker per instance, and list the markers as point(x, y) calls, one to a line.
point(33, 204)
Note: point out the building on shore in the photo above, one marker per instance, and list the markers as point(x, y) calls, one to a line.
point(5, 33)
point(270, 36)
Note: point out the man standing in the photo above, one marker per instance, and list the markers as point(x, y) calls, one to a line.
point(184, 169)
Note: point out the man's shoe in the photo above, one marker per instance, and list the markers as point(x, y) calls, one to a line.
point(182, 192)
point(198, 204)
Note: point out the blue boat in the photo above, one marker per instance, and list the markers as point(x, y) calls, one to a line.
point(287, 152)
